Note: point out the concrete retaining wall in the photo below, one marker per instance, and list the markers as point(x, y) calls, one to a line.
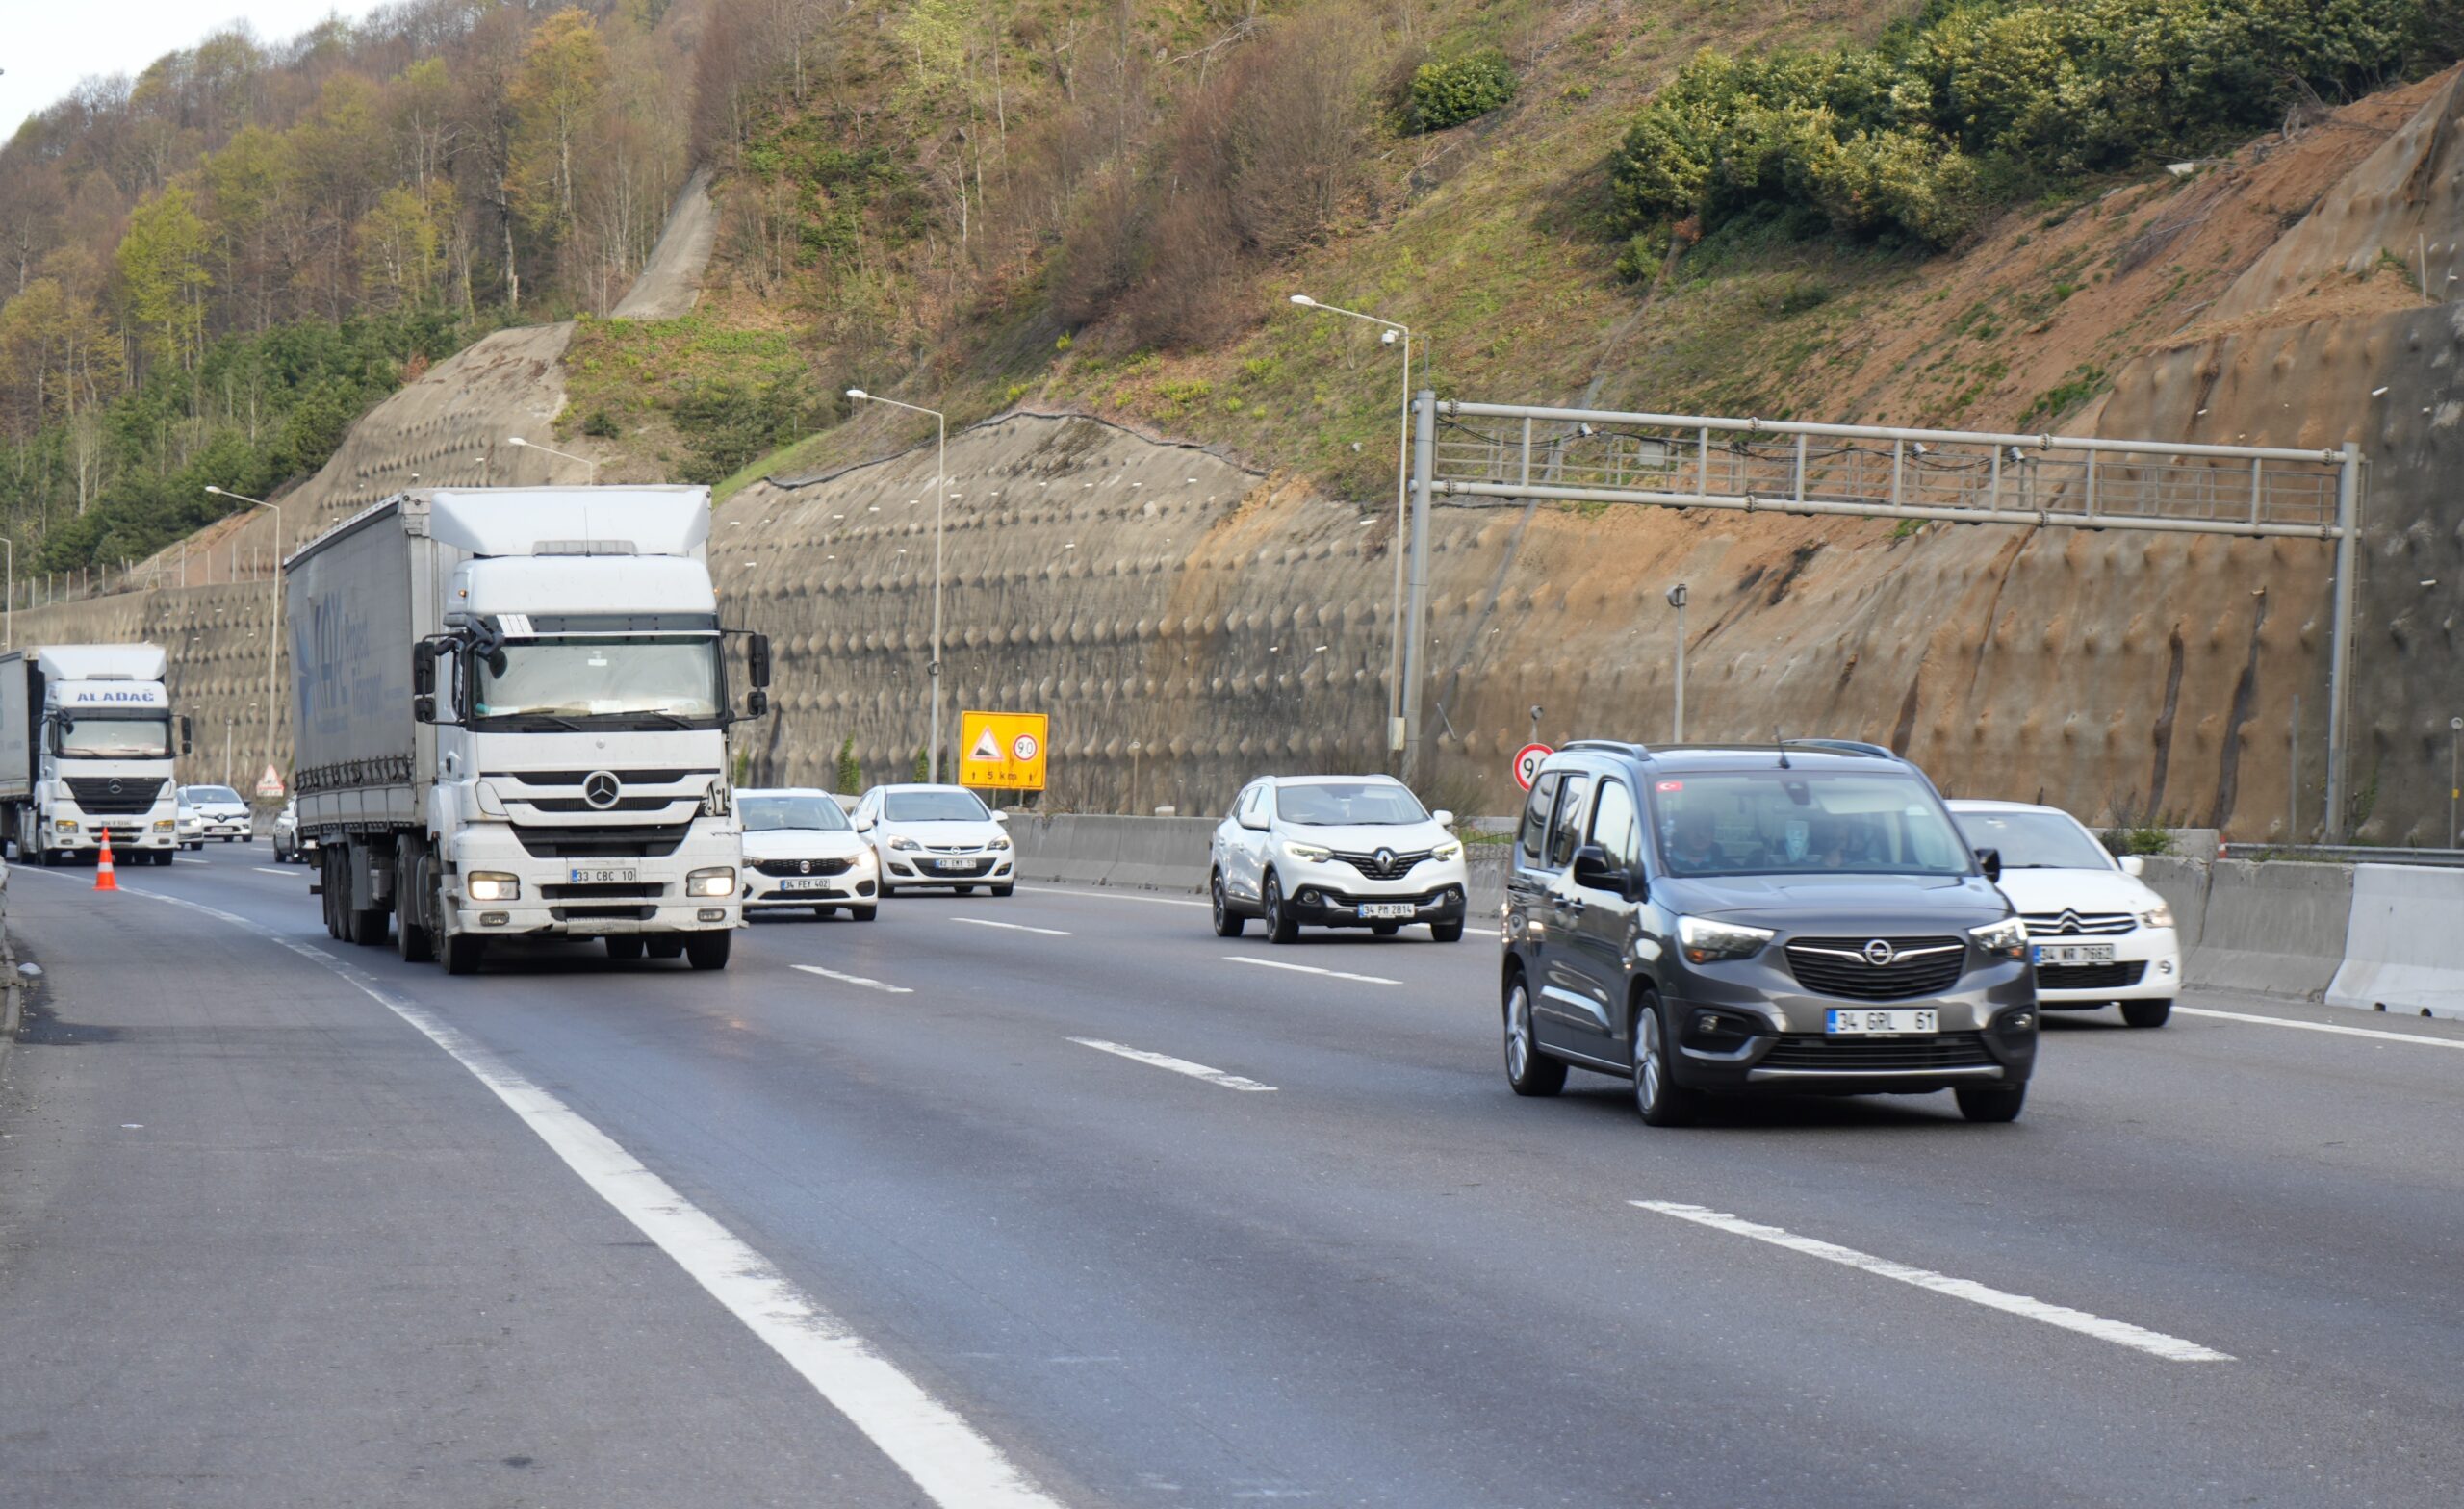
point(2272, 928)
point(2402, 949)
point(1165, 854)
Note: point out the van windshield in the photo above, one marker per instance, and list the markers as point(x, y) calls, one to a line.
point(89, 738)
point(1796, 822)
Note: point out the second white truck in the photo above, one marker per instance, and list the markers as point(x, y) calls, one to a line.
point(512, 708)
point(86, 748)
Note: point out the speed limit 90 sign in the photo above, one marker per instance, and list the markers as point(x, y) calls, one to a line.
point(1526, 763)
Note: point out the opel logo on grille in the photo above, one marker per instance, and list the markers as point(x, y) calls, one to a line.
point(601, 789)
point(1385, 859)
point(1879, 953)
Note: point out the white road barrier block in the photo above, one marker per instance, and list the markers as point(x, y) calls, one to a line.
point(2403, 951)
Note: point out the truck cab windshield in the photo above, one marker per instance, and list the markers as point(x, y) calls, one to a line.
point(92, 737)
point(641, 679)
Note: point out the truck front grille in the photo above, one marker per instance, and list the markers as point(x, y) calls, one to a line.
point(648, 841)
point(650, 892)
point(111, 795)
point(603, 913)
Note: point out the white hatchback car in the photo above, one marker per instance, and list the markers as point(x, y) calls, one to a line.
point(801, 851)
point(936, 836)
point(2099, 934)
point(225, 814)
point(1336, 851)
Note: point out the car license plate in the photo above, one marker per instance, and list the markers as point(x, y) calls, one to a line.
point(1880, 1023)
point(804, 883)
point(1387, 910)
point(2074, 953)
point(954, 865)
point(604, 875)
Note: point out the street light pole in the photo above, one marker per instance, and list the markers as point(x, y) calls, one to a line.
point(274, 648)
point(9, 615)
point(2455, 784)
point(1677, 601)
point(1402, 495)
point(525, 444)
point(941, 486)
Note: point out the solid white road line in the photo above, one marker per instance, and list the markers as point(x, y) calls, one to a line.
point(266, 869)
point(1311, 969)
point(852, 979)
point(1013, 927)
point(1072, 890)
point(1164, 1060)
point(2156, 1343)
point(176, 859)
point(2415, 1038)
point(950, 1460)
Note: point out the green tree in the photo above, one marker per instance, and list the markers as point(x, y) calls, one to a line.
point(399, 245)
point(163, 272)
point(564, 67)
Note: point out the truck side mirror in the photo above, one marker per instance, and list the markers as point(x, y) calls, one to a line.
point(423, 708)
point(422, 670)
point(756, 657)
point(756, 702)
point(187, 734)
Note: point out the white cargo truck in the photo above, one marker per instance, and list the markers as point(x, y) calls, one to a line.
point(85, 746)
point(512, 717)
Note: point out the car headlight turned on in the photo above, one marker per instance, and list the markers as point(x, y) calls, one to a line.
point(2006, 938)
point(2160, 915)
point(491, 886)
point(864, 860)
point(1307, 854)
point(710, 882)
point(1704, 941)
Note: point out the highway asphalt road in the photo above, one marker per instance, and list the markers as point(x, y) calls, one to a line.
point(907, 1212)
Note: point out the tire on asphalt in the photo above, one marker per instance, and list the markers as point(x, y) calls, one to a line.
point(1446, 932)
point(1659, 1100)
point(1229, 924)
point(2146, 1013)
point(864, 913)
point(1002, 890)
point(1529, 1071)
point(709, 950)
point(1281, 926)
point(1990, 1102)
point(623, 947)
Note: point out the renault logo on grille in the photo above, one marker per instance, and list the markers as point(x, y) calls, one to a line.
point(1385, 861)
point(1879, 953)
point(601, 789)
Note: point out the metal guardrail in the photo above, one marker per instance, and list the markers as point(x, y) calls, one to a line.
point(2346, 853)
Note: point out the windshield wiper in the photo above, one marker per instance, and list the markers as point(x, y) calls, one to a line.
point(675, 720)
point(566, 723)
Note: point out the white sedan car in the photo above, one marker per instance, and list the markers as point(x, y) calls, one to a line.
point(801, 851)
point(2099, 934)
point(936, 836)
point(1336, 851)
point(226, 815)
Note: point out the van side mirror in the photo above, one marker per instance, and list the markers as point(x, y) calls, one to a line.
point(1990, 860)
point(756, 658)
point(423, 672)
point(188, 733)
point(1594, 872)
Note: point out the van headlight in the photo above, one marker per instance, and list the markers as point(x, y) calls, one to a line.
point(2160, 915)
point(2006, 938)
point(491, 886)
point(1704, 941)
point(1307, 854)
point(710, 882)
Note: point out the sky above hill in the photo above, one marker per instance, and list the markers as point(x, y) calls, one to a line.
point(47, 45)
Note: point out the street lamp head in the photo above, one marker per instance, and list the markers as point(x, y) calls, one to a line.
point(516, 440)
point(1305, 300)
point(1388, 339)
point(215, 490)
point(858, 393)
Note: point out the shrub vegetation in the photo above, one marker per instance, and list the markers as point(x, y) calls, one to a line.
point(1450, 92)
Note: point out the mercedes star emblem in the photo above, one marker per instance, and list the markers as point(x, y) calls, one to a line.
point(601, 789)
point(1879, 953)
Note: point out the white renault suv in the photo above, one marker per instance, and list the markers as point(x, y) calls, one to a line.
point(936, 836)
point(800, 850)
point(225, 815)
point(1336, 851)
point(2099, 934)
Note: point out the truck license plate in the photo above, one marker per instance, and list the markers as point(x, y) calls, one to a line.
point(605, 875)
point(1879, 1023)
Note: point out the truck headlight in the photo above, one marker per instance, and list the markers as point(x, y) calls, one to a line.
point(1704, 941)
point(1307, 854)
point(2006, 938)
point(718, 801)
point(66, 825)
point(710, 882)
point(2160, 915)
point(491, 886)
point(164, 824)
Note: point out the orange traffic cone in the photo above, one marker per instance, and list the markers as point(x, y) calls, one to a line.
point(104, 879)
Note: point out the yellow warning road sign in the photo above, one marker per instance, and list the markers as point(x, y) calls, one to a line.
point(1003, 750)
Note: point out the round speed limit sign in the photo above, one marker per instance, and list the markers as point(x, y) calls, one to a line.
point(1022, 748)
point(1526, 763)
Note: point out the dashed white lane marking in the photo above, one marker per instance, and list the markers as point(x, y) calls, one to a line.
point(268, 869)
point(1311, 969)
point(176, 859)
point(1151, 901)
point(2415, 1038)
point(1164, 1060)
point(854, 980)
point(2122, 1333)
point(950, 1460)
point(1013, 927)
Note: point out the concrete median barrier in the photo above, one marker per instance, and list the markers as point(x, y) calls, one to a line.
point(2403, 951)
point(1165, 854)
point(2183, 883)
point(2272, 928)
